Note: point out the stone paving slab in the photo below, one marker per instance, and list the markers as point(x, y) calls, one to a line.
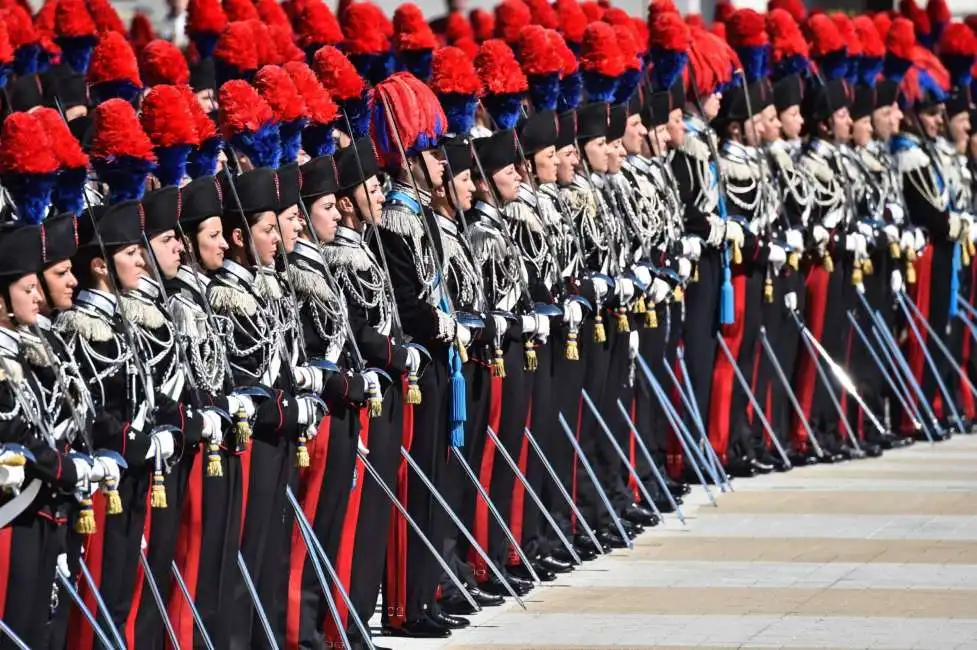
point(852, 502)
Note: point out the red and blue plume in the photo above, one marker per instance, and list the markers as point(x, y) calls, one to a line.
point(795, 8)
point(747, 34)
point(900, 46)
point(414, 40)
point(317, 137)
point(723, 12)
point(483, 25)
point(343, 83)
point(503, 82)
point(571, 81)
point(510, 17)
point(69, 188)
point(24, 39)
point(75, 33)
point(789, 50)
point(114, 71)
point(235, 55)
point(828, 48)
point(633, 63)
point(668, 49)
point(573, 22)
point(277, 88)
point(206, 21)
point(28, 166)
point(166, 119)
point(455, 82)
point(940, 16)
point(121, 152)
point(248, 124)
point(869, 63)
point(958, 50)
point(6, 56)
point(405, 114)
point(852, 42)
point(601, 61)
point(920, 20)
point(161, 62)
point(926, 82)
point(367, 41)
point(542, 65)
point(203, 158)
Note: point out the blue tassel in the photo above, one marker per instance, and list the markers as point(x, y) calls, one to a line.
point(955, 280)
point(459, 396)
point(727, 298)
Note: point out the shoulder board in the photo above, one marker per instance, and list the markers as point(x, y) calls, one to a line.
point(526, 214)
point(817, 168)
point(188, 317)
point(11, 369)
point(88, 327)
point(487, 243)
point(696, 148)
point(309, 284)
point(143, 313)
point(346, 256)
point(737, 169)
point(782, 158)
point(911, 159)
point(398, 218)
point(228, 299)
point(870, 160)
point(33, 350)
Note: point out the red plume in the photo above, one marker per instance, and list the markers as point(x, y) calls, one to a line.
point(543, 14)
point(938, 12)
point(318, 26)
point(163, 63)
point(63, 144)
point(271, 13)
point(453, 72)
point(510, 17)
point(321, 108)
point(113, 60)
point(536, 52)
point(824, 35)
point(23, 147)
point(498, 69)
point(883, 22)
point(205, 17)
point(468, 46)
point(872, 44)
point(918, 16)
point(927, 60)
point(366, 28)
point(669, 32)
point(600, 52)
point(695, 20)
point(641, 33)
point(71, 19)
point(337, 75)
point(240, 10)
point(958, 40)
point(457, 27)
point(971, 22)
point(141, 32)
point(628, 45)
point(573, 20)
point(746, 28)
point(105, 16)
point(656, 7)
point(795, 8)
point(848, 34)
point(166, 118)
point(411, 31)
point(901, 39)
point(616, 16)
point(263, 44)
point(46, 18)
point(592, 10)
point(116, 132)
point(718, 30)
point(724, 11)
point(6, 50)
point(20, 29)
point(241, 109)
point(786, 39)
point(483, 24)
point(236, 46)
point(568, 59)
point(206, 129)
point(278, 89)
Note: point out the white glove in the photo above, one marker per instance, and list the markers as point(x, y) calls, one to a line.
point(82, 470)
point(13, 477)
point(529, 323)
point(163, 443)
point(920, 240)
point(777, 255)
point(891, 232)
point(572, 314)
point(692, 248)
point(734, 233)
point(237, 403)
point(896, 211)
point(633, 342)
point(104, 470)
point(867, 231)
point(308, 414)
point(624, 290)
point(833, 218)
point(955, 225)
point(643, 275)
point(895, 281)
point(600, 287)
point(855, 243)
point(464, 335)
point(413, 360)
point(659, 290)
point(820, 234)
point(973, 235)
point(908, 240)
point(501, 325)
point(967, 219)
point(795, 240)
point(310, 379)
point(212, 425)
point(372, 381)
point(542, 328)
point(790, 300)
point(684, 268)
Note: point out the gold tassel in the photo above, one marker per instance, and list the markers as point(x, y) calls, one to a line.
point(413, 390)
point(768, 290)
point(737, 254)
point(794, 260)
point(302, 453)
point(695, 273)
point(531, 361)
point(639, 306)
point(572, 351)
point(114, 506)
point(600, 335)
point(910, 273)
point(243, 429)
point(214, 467)
point(894, 251)
point(85, 524)
point(158, 498)
point(856, 276)
point(964, 255)
point(828, 263)
point(911, 255)
point(622, 320)
point(14, 461)
point(867, 267)
point(498, 364)
point(678, 294)
point(971, 249)
point(651, 319)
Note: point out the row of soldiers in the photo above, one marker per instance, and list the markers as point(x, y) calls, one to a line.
point(286, 332)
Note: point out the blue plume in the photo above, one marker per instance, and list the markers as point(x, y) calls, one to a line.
point(504, 109)
point(374, 67)
point(834, 65)
point(571, 88)
point(932, 90)
point(600, 88)
point(205, 42)
point(291, 135)
point(626, 85)
point(69, 190)
point(460, 110)
point(869, 68)
point(120, 89)
point(203, 160)
point(418, 63)
point(959, 69)
point(544, 90)
point(125, 176)
point(756, 62)
point(5, 71)
point(318, 140)
point(895, 67)
point(668, 66)
point(358, 112)
point(794, 64)
point(263, 146)
point(76, 51)
point(26, 59)
point(171, 163)
point(31, 193)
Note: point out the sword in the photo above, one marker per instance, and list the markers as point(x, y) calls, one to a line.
point(158, 599)
point(717, 467)
point(942, 346)
point(197, 618)
point(80, 603)
point(10, 634)
point(99, 602)
point(256, 600)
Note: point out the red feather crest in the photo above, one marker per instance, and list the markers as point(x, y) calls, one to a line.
point(6, 50)
point(457, 27)
point(848, 34)
point(166, 118)
point(593, 10)
point(510, 17)
point(321, 108)
point(20, 29)
point(278, 89)
point(600, 52)
point(263, 43)
point(925, 58)
point(366, 28)
point(723, 12)
point(824, 36)
point(141, 32)
point(453, 72)
point(718, 30)
point(669, 32)
point(536, 52)
point(656, 7)
point(240, 10)
point(498, 69)
point(640, 30)
point(901, 39)
point(883, 22)
point(71, 19)
point(786, 39)
point(468, 46)
point(628, 45)
point(106, 17)
point(23, 147)
point(163, 63)
point(938, 12)
point(573, 20)
point(971, 22)
point(483, 24)
point(414, 111)
point(958, 40)
point(63, 144)
point(284, 44)
point(795, 8)
point(44, 21)
point(206, 129)
point(616, 16)
point(543, 14)
point(411, 31)
point(113, 60)
point(116, 132)
point(695, 20)
point(205, 17)
point(746, 28)
point(242, 110)
point(318, 26)
point(872, 44)
point(271, 13)
point(918, 16)
point(337, 75)
point(236, 46)
point(568, 59)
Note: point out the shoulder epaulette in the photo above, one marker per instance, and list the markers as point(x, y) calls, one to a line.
point(229, 299)
point(90, 328)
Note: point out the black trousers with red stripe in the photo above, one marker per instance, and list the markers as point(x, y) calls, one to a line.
point(741, 438)
point(535, 533)
point(648, 415)
point(28, 561)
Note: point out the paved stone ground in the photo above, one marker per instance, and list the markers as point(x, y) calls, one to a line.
point(872, 554)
